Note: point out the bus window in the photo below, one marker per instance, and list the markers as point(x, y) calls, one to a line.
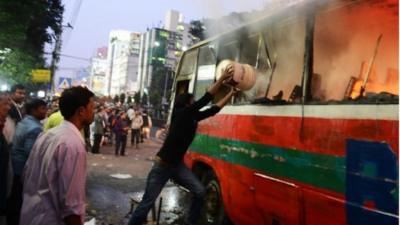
point(254, 53)
point(345, 42)
point(285, 42)
point(228, 50)
point(206, 70)
point(188, 63)
point(249, 50)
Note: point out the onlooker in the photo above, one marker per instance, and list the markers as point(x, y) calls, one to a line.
point(121, 128)
point(54, 105)
point(5, 165)
point(147, 124)
point(112, 118)
point(57, 118)
point(130, 113)
point(86, 136)
point(54, 120)
point(16, 112)
point(98, 130)
point(137, 122)
point(25, 136)
point(55, 174)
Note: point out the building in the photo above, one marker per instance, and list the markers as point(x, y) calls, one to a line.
point(123, 57)
point(159, 54)
point(174, 21)
point(160, 51)
point(173, 18)
point(98, 71)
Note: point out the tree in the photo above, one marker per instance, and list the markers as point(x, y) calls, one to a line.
point(17, 65)
point(136, 98)
point(161, 81)
point(25, 27)
point(122, 98)
point(144, 98)
point(116, 99)
point(129, 101)
point(157, 84)
point(197, 29)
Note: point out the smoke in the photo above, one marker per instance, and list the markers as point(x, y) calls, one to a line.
point(225, 15)
point(287, 45)
point(344, 39)
point(218, 8)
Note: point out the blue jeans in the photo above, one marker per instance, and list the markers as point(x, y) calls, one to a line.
point(156, 180)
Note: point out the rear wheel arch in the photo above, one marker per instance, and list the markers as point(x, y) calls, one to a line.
point(214, 210)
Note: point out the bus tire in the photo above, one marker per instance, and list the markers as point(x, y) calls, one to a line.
point(213, 209)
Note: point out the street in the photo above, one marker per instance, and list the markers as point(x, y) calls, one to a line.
point(109, 198)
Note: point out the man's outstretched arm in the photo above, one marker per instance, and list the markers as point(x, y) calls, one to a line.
point(215, 108)
point(212, 91)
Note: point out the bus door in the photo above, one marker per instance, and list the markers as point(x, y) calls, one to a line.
point(277, 195)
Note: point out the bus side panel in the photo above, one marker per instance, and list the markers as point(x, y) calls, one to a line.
point(324, 209)
point(315, 160)
point(277, 202)
point(241, 208)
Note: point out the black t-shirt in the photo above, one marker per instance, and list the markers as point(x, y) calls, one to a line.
point(183, 129)
point(145, 118)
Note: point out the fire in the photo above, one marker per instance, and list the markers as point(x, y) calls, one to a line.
point(357, 46)
point(373, 84)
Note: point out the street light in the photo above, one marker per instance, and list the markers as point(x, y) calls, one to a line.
point(4, 87)
point(41, 94)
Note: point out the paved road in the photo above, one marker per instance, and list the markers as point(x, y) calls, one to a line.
point(109, 198)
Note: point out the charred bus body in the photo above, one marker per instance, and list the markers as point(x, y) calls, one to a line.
point(315, 141)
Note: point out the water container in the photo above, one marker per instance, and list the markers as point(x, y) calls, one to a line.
point(244, 76)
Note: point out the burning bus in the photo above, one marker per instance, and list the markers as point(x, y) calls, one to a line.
point(315, 138)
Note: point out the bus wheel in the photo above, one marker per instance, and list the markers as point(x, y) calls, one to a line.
point(213, 210)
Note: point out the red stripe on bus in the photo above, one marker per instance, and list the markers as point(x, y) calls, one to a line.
point(317, 135)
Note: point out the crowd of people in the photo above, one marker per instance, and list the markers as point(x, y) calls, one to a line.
point(43, 149)
point(23, 120)
point(115, 123)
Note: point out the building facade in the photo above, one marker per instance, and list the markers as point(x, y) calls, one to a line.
point(98, 72)
point(160, 52)
point(123, 57)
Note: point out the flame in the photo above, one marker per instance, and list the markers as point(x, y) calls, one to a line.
point(373, 84)
point(345, 39)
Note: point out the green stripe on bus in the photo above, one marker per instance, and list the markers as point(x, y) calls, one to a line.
point(319, 170)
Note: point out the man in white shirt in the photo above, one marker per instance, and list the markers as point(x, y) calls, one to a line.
point(54, 177)
point(136, 125)
point(130, 113)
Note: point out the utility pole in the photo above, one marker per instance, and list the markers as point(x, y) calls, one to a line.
point(56, 56)
point(164, 98)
